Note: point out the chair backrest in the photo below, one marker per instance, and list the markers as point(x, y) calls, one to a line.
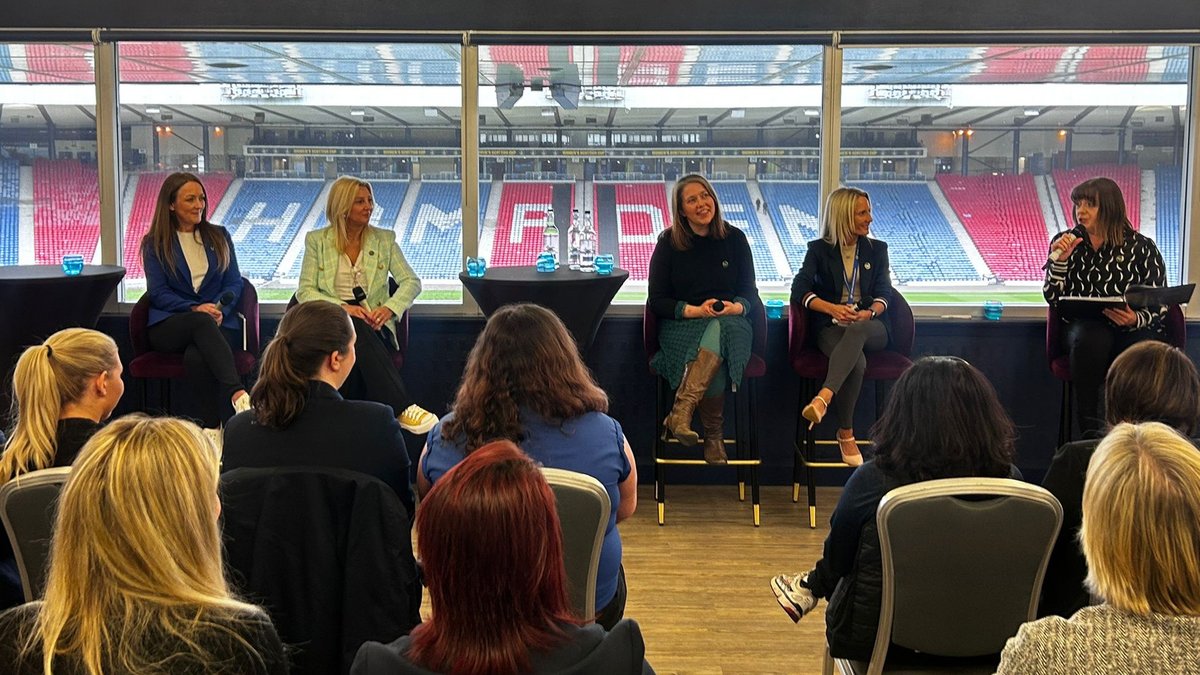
point(28, 504)
point(328, 553)
point(963, 562)
point(583, 510)
point(899, 316)
point(248, 308)
point(1174, 325)
point(139, 316)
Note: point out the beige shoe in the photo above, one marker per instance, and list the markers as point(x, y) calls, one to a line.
point(848, 447)
point(416, 420)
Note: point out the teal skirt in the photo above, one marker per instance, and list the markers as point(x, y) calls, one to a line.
point(679, 340)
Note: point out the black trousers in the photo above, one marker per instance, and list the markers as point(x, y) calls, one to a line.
point(207, 355)
point(374, 377)
point(614, 611)
point(1092, 345)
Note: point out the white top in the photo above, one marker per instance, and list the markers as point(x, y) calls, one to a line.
point(348, 276)
point(193, 253)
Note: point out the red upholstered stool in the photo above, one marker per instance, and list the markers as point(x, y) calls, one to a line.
point(811, 365)
point(745, 457)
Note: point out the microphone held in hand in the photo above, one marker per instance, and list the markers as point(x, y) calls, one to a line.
point(360, 296)
point(226, 300)
point(1074, 233)
point(718, 307)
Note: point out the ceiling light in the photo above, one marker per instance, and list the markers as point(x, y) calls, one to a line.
point(1032, 112)
point(547, 112)
point(431, 112)
point(358, 113)
point(737, 113)
point(152, 111)
point(812, 112)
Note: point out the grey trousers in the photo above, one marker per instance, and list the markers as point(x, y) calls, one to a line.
point(844, 345)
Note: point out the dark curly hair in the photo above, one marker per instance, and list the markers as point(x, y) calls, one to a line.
point(523, 358)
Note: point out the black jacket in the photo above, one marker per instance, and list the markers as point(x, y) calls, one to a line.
point(588, 651)
point(331, 432)
point(822, 274)
point(328, 553)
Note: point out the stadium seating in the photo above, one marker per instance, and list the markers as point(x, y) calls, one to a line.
point(59, 62)
point(653, 65)
point(1167, 180)
point(793, 210)
point(1113, 63)
point(632, 215)
point(66, 210)
point(1175, 68)
point(141, 211)
point(1128, 177)
point(264, 219)
point(738, 209)
point(921, 244)
point(10, 190)
point(6, 64)
point(1021, 64)
point(154, 62)
point(519, 223)
point(389, 197)
point(1004, 218)
point(732, 64)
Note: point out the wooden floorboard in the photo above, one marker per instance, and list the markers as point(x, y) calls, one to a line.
point(698, 586)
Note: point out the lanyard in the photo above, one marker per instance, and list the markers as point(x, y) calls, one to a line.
point(852, 280)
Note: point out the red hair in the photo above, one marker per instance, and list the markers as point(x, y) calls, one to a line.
point(491, 544)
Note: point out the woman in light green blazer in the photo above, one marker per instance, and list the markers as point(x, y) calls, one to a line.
point(348, 263)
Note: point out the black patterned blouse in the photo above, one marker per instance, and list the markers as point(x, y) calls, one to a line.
point(1109, 272)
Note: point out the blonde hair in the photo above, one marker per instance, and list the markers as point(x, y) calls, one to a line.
point(136, 555)
point(837, 220)
point(47, 377)
point(1141, 521)
point(337, 207)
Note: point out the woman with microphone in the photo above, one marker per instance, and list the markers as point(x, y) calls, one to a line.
point(1101, 257)
point(194, 285)
point(348, 264)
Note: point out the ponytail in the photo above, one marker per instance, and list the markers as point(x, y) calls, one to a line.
point(47, 377)
point(308, 334)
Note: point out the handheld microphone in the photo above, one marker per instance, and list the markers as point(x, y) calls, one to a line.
point(226, 300)
point(361, 297)
point(718, 306)
point(1075, 232)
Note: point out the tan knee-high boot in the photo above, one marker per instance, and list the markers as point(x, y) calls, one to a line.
point(712, 418)
point(696, 376)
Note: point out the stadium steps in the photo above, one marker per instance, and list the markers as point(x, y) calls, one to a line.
point(960, 231)
point(1149, 206)
point(770, 236)
point(220, 211)
point(1052, 212)
point(25, 218)
point(487, 228)
point(406, 210)
point(296, 247)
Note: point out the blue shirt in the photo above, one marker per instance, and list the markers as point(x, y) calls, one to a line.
point(591, 444)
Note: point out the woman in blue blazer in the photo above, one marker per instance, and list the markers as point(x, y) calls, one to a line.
point(194, 285)
point(845, 276)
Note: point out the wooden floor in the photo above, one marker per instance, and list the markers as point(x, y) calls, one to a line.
point(698, 586)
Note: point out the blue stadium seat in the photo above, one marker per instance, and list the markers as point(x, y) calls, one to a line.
point(1167, 181)
point(738, 209)
point(10, 188)
point(264, 219)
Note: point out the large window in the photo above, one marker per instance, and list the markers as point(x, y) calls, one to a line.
point(970, 154)
point(49, 196)
point(606, 130)
point(269, 126)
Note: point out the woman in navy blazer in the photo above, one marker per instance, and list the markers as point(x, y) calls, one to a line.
point(194, 286)
point(845, 276)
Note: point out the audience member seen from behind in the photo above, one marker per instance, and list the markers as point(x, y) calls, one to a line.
point(525, 382)
point(943, 420)
point(1149, 382)
point(845, 276)
point(1109, 258)
point(62, 390)
point(135, 581)
point(489, 536)
point(1141, 538)
point(702, 289)
point(297, 416)
point(194, 286)
point(348, 263)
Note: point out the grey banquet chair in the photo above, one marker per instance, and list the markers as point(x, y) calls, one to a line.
point(963, 563)
point(28, 505)
point(583, 510)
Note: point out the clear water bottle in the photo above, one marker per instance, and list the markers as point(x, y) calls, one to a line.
point(587, 245)
point(574, 235)
point(550, 236)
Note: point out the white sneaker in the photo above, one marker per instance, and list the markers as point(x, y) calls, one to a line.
point(793, 595)
point(242, 403)
point(416, 420)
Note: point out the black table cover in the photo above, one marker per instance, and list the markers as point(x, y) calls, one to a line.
point(578, 298)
